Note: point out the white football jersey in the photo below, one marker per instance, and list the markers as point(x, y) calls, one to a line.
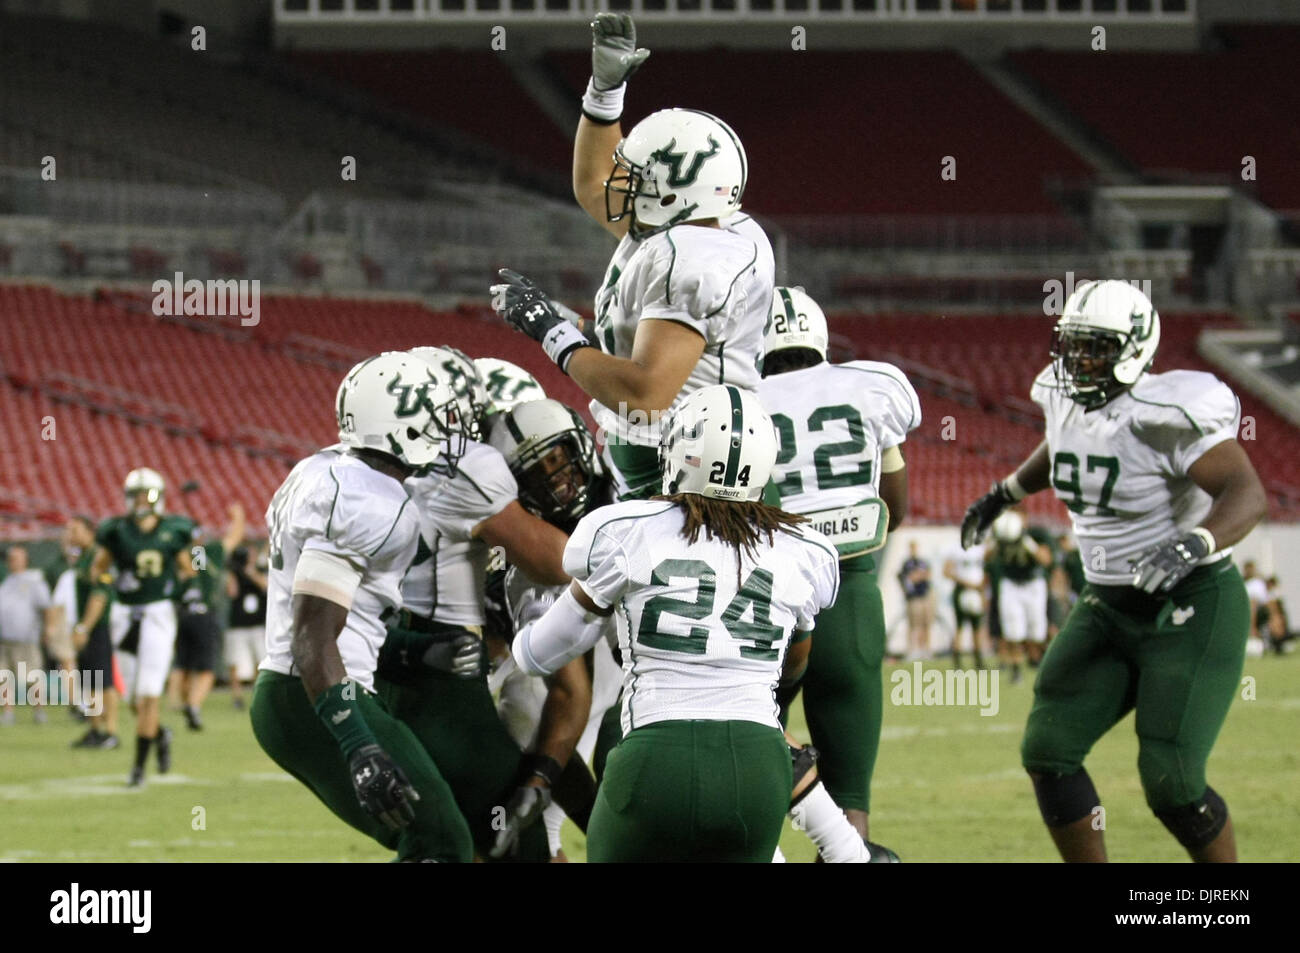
point(968, 565)
point(1122, 469)
point(834, 422)
point(336, 503)
point(717, 281)
point(447, 579)
point(695, 645)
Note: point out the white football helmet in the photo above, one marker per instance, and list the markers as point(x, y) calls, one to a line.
point(795, 321)
point(148, 482)
point(399, 405)
point(463, 377)
point(1105, 340)
point(552, 456)
point(676, 165)
point(719, 443)
point(508, 385)
point(1008, 527)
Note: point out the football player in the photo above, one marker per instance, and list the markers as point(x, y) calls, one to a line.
point(1159, 490)
point(341, 533)
point(552, 457)
point(432, 671)
point(95, 651)
point(507, 385)
point(198, 631)
point(1019, 558)
point(150, 551)
point(715, 594)
point(685, 296)
point(841, 429)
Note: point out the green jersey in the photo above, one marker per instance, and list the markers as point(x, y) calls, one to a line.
point(146, 562)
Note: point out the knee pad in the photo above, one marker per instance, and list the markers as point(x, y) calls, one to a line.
point(803, 760)
point(1195, 825)
point(1064, 798)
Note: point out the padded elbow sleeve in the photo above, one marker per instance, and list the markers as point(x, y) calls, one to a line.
point(557, 638)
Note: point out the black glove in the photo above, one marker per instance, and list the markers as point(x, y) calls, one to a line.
point(981, 514)
point(522, 812)
point(1162, 567)
point(528, 309)
point(382, 787)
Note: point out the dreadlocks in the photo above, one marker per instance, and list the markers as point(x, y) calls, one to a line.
point(739, 524)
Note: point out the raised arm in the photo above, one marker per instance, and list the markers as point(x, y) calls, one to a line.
point(614, 57)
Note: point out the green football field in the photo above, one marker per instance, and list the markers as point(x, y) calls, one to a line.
point(948, 787)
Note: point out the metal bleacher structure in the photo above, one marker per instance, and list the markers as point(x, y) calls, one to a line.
point(227, 163)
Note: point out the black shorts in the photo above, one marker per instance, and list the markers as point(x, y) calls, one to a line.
point(97, 654)
point(197, 639)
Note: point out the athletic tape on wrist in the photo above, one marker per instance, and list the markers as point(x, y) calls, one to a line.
point(561, 341)
point(604, 106)
point(1206, 537)
point(1011, 486)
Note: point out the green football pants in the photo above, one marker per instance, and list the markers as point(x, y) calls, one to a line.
point(843, 696)
point(289, 730)
point(692, 791)
point(458, 725)
point(1177, 660)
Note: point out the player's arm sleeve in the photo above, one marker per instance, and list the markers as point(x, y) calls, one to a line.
point(902, 408)
point(823, 575)
point(348, 532)
point(492, 484)
point(1212, 415)
point(687, 292)
point(595, 558)
point(1043, 387)
point(566, 631)
point(482, 488)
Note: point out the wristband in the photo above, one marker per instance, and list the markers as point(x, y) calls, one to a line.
point(561, 341)
point(544, 767)
point(604, 106)
point(337, 707)
point(1012, 488)
point(1206, 537)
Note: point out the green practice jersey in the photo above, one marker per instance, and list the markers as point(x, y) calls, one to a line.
point(146, 562)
